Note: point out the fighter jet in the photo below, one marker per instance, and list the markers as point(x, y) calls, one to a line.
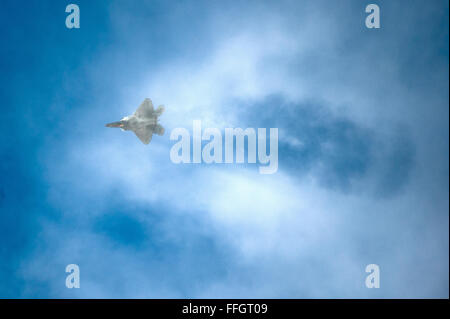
point(144, 122)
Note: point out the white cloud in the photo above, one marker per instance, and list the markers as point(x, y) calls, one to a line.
point(280, 227)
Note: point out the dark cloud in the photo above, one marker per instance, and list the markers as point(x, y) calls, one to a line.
point(340, 151)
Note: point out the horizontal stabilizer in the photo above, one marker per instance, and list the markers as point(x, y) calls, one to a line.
point(159, 110)
point(158, 129)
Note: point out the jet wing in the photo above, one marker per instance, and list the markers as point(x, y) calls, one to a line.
point(145, 109)
point(144, 133)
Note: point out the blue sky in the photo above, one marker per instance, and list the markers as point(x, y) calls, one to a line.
point(363, 150)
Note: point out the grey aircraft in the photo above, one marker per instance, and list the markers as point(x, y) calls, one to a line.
point(144, 122)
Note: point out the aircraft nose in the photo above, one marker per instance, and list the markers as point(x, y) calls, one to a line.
point(114, 124)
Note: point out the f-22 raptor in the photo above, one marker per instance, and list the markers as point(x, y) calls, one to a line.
point(144, 122)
